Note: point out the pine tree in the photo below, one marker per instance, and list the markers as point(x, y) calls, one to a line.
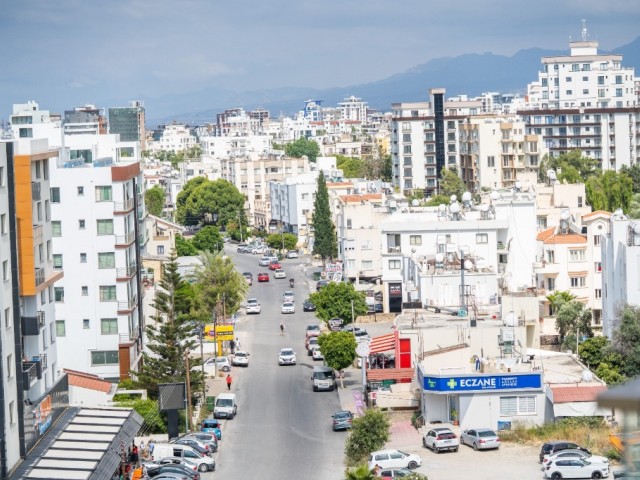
point(168, 335)
point(325, 242)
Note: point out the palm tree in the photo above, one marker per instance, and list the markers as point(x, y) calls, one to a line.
point(557, 299)
point(359, 473)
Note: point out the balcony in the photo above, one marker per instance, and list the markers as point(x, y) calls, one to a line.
point(128, 338)
point(120, 208)
point(128, 307)
point(123, 274)
point(32, 325)
point(125, 240)
point(31, 373)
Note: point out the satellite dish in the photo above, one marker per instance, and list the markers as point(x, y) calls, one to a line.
point(484, 207)
point(618, 212)
point(442, 207)
point(468, 264)
point(454, 207)
point(636, 228)
point(587, 375)
point(495, 195)
point(415, 202)
point(565, 215)
point(439, 257)
point(453, 198)
point(551, 174)
point(518, 185)
point(510, 320)
point(466, 197)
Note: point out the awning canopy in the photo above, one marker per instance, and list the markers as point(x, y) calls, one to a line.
point(379, 374)
point(383, 343)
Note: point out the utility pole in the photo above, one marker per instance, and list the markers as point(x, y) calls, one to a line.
point(188, 419)
point(204, 378)
point(240, 223)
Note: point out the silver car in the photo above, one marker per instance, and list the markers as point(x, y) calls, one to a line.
point(480, 438)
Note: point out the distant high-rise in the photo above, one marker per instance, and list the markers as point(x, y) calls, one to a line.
point(128, 122)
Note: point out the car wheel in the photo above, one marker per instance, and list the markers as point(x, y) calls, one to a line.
point(413, 465)
point(203, 467)
point(596, 475)
point(424, 443)
point(455, 449)
point(225, 369)
point(435, 449)
point(556, 475)
point(475, 446)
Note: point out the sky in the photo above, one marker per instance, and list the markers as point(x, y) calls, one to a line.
point(66, 53)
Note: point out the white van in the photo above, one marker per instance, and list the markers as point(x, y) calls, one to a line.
point(162, 450)
point(323, 378)
point(225, 406)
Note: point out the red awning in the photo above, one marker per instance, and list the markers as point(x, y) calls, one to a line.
point(383, 343)
point(378, 374)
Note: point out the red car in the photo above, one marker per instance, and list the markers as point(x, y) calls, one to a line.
point(275, 266)
point(263, 277)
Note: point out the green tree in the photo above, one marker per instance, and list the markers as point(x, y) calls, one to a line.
point(634, 206)
point(217, 280)
point(571, 318)
point(378, 166)
point(276, 240)
point(303, 146)
point(437, 200)
point(609, 191)
point(570, 174)
point(183, 197)
point(338, 350)
point(184, 247)
point(361, 472)
point(610, 374)
point(148, 410)
point(169, 334)
point(351, 167)
point(335, 299)
point(216, 202)
point(451, 184)
point(325, 241)
point(368, 434)
point(154, 200)
point(634, 173)
point(556, 299)
point(567, 164)
point(208, 238)
point(626, 339)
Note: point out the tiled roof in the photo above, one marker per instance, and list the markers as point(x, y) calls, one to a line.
point(359, 198)
point(389, 373)
point(544, 234)
point(566, 238)
point(339, 184)
point(597, 212)
point(563, 394)
point(87, 380)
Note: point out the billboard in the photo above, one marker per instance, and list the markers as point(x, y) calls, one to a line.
point(481, 383)
point(224, 332)
point(172, 396)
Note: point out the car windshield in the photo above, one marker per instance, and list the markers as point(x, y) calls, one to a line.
point(323, 375)
point(252, 300)
point(286, 352)
point(224, 402)
point(287, 304)
point(209, 424)
point(240, 354)
point(486, 433)
point(313, 327)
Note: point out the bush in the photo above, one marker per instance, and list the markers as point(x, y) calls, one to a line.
point(148, 409)
point(368, 434)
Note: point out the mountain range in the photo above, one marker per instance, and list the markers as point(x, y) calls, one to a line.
point(470, 74)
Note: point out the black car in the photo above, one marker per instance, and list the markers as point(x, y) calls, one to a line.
point(307, 306)
point(184, 472)
point(342, 420)
point(550, 448)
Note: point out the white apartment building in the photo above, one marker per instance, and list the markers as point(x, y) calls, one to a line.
point(229, 146)
point(423, 249)
point(97, 201)
point(291, 202)
point(587, 101)
point(353, 108)
point(621, 267)
point(173, 138)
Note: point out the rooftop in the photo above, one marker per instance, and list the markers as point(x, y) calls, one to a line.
point(562, 394)
point(89, 381)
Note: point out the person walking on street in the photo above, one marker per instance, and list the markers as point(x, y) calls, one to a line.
point(281, 328)
point(229, 380)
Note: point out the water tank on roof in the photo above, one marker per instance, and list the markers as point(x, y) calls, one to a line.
point(453, 198)
point(587, 375)
point(415, 202)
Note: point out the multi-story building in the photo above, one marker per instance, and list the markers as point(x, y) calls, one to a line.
point(353, 108)
point(587, 101)
point(621, 267)
point(128, 122)
point(173, 138)
point(291, 202)
point(87, 119)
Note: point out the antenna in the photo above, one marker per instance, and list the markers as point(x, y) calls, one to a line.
point(585, 34)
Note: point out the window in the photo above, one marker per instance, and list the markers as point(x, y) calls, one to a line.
point(406, 137)
point(5, 270)
point(349, 224)
point(83, 258)
point(47, 210)
point(597, 239)
point(415, 239)
point(618, 92)
point(109, 357)
point(160, 249)
point(579, 201)
point(38, 170)
point(3, 223)
point(1, 176)
point(55, 194)
point(51, 295)
point(367, 264)
point(59, 294)
point(39, 210)
point(103, 194)
point(61, 328)
point(394, 264)
point(86, 323)
point(351, 264)
point(80, 191)
point(107, 293)
point(482, 238)
point(577, 255)
point(52, 332)
point(9, 366)
point(7, 317)
point(57, 261)
point(85, 290)
point(12, 412)
point(598, 293)
point(525, 405)
point(577, 282)
point(109, 326)
point(107, 260)
point(81, 224)
point(56, 228)
point(598, 266)
point(551, 284)
point(105, 227)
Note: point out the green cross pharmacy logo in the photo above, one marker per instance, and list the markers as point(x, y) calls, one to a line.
point(452, 383)
point(432, 383)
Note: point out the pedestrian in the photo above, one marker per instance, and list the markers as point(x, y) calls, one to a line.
point(232, 346)
point(237, 343)
point(281, 328)
point(137, 473)
point(229, 380)
point(134, 454)
point(152, 444)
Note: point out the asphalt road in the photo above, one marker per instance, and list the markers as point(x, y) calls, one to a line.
point(282, 429)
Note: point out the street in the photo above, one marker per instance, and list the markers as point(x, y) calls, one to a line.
point(282, 429)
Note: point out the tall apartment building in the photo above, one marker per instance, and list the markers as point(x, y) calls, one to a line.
point(87, 119)
point(353, 108)
point(128, 122)
point(587, 101)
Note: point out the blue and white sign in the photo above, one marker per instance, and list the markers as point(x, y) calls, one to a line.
point(481, 383)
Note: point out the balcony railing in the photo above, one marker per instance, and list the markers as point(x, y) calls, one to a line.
point(31, 372)
point(126, 272)
point(32, 325)
point(127, 307)
point(128, 338)
point(123, 207)
point(126, 239)
point(40, 276)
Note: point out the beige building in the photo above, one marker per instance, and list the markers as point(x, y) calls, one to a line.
point(162, 241)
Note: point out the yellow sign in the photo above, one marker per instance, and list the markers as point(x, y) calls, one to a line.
point(209, 334)
point(224, 332)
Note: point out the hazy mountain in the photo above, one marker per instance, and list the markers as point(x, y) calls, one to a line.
point(469, 74)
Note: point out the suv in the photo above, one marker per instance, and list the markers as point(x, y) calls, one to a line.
point(394, 458)
point(550, 448)
point(439, 439)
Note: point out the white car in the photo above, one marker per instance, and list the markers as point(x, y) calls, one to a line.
point(575, 468)
point(222, 363)
point(316, 353)
point(279, 273)
point(264, 262)
point(288, 296)
point(257, 250)
point(288, 307)
point(393, 459)
point(572, 453)
point(253, 306)
point(287, 357)
point(292, 254)
point(240, 359)
point(439, 439)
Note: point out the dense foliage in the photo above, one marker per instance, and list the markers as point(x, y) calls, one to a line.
point(208, 239)
point(184, 247)
point(338, 349)
point(325, 241)
point(154, 200)
point(368, 434)
point(451, 184)
point(216, 202)
point(335, 299)
point(301, 147)
point(351, 167)
point(276, 241)
point(218, 284)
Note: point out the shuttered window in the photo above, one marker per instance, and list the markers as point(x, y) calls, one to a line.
point(525, 405)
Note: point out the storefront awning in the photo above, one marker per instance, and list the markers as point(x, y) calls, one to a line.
point(383, 343)
point(379, 374)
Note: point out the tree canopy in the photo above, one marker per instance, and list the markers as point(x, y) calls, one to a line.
point(215, 202)
point(275, 241)
point(451, 184)
point(334, 300)
point(571, 166)
point(184, 247)
point(573, 318)
point(626, 340)
point(378, 166)
point(154, 200)
point(369, 433)
point(338, 350)
point(217, 280)
point(303, 146)
point(351, 167)
point(609, 191)
point(634, 173)
point(208, 239)
point(325, 242)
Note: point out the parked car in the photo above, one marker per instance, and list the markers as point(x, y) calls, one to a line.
point(288, 307)
point(253, 306)
point(248, 276)
point(439, 439)
point(310, 343)
point(394, 458)
point(242, 248)
point(206, 438)
point(240, 359)
point(335, 324)
point(292, 254)
point(549, 448)
point(279, 274)
point(399, 473)
point(204, 462)
point(211, 425)
point(263, 277)
point(155, 471)
point(197, 445)
point(575, 468)
point(564, 454)
point(313, 330)
point(307, 306)
point(287, 357)
point(480, 438)
point(288, 296)
point(342, 420)
point(275, 266)
point(222, 363)
point(316, 353)
point(226, 406)
point(321, 284)
point(257, 250)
